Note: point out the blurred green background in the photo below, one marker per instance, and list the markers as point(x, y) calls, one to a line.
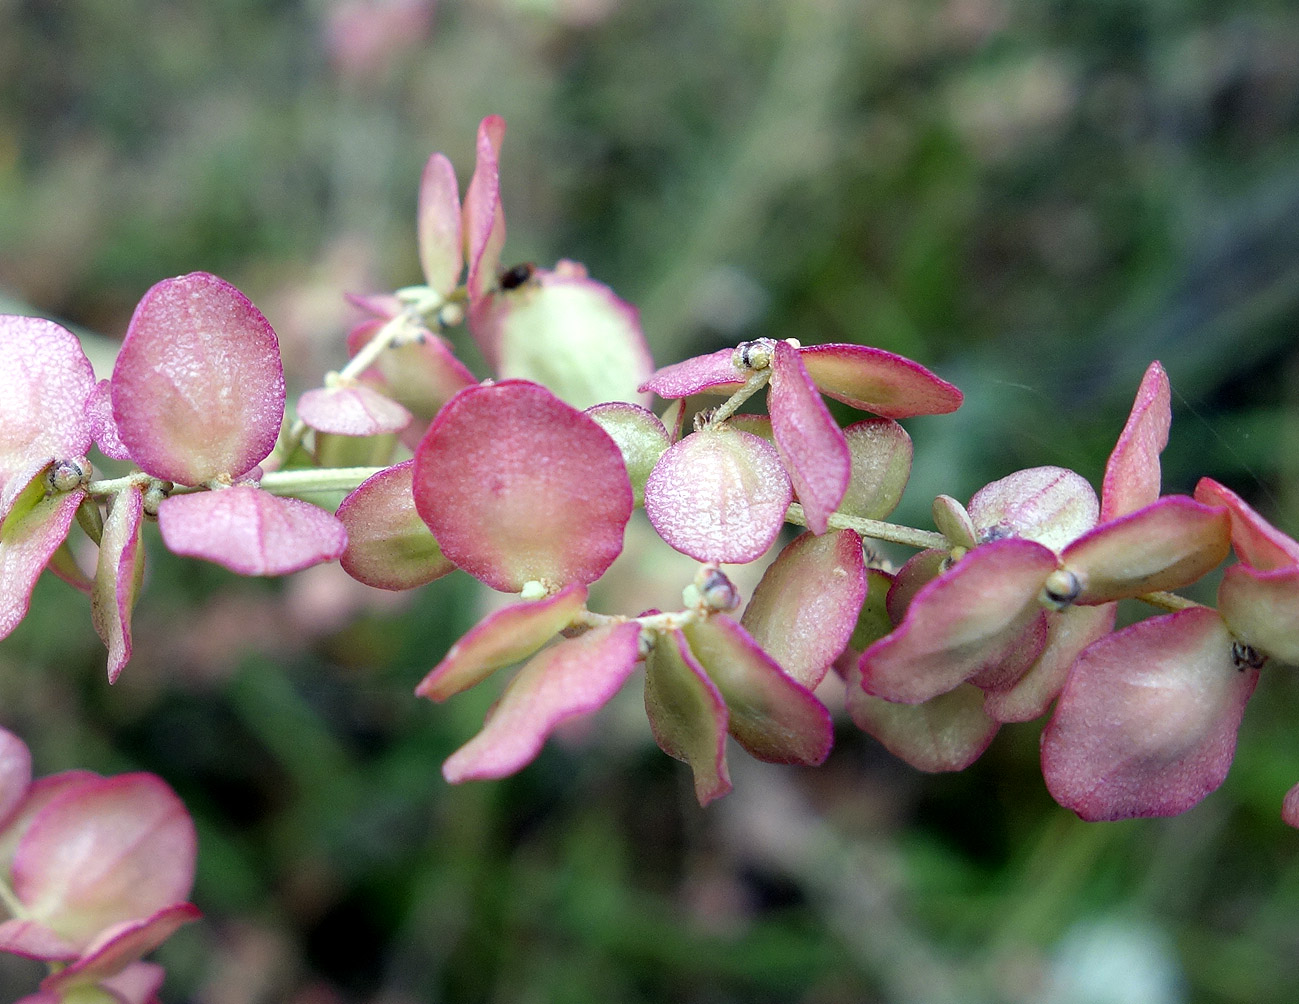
point(1034, 199)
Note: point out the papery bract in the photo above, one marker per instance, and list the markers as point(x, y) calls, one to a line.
point(771, 715)
point(198, 388)
point(803, 611)
point(501, 639)
point(948, 732)
point(687, 714)
point(250, 531)
point(351, 411)
point(439, 230)
point(518, 486)
point(640, 436)
point(570, 678)
point(1132, 474)
point(718, 495)
point(1146, 724)
point(32, 531)
point(881, 454)
point(118, 573)
point(388, 545)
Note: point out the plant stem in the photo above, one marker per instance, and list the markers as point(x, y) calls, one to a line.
point(874, 528)
point(1168, 601)
point(326, 479)
point(756, 381)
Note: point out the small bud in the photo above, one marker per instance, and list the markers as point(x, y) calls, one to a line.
point(716, 591)
point(1246, 656)
point(754, 355)
point(533, 590)
point(155, 494)
point(1061, 588)
point(67, 475)
point(451, 315)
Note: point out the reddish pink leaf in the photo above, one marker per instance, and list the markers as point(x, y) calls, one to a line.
point(122, 944)
point(99, 414)
point(965, 621)
point(1069, 631)
point(1166, 545)
point(1262, 609)
point(568, 333)
point(39, 794)
point(15, 774)
point(687, 714)
point(714, 373)
point(945, 733)
point(117, 577)
point(517, 486)
point(1256, 541)
point(771, 715)
point(1146, 724)
point(44, 385)
point(1132, 475)
point(388, 545)
point(1051, 505)
point(250, 531)
point(501, 639)
point(103, 852)
point(484, 216)
point(810, 443)
point(441, 242)
point(198, 389)
point(571, 678)
point(718, 495)
point(30, 534)
point(640, 436)
point(805, 608)
point(351, 411)
point(878, 381)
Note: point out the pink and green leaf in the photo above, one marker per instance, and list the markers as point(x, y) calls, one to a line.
point(569, 679)
point(1262, 609)
point(687, 714)
point(31, 532)
point(355, 410)
point(518, 486)
point(484, 215)
point(15, 774)
point(880, 453)
point(966, 621)
point(948, 732)
point(877, 381)
point(1132, 474)
point(99, 413)
point(118, 574)
point(250, 531)
point(811, 444)
point(1255, 541)
point(569, 333)
point(103, 852)
point(501, 639)
point(198, 388)
point(714, 373)
point(1146, 724)
point(771, 714)
point(1166, 545)
point(640, 436)
point(1051, 505)
point(45, 383)
point(388, 545)
point(803, 612)
point(719, 495)
point(441, 239)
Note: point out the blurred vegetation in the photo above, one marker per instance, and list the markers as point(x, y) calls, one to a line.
point(1033, 198)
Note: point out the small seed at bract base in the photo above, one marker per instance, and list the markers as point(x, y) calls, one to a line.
point(517, 276)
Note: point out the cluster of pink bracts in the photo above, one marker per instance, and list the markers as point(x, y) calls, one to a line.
point(527, 482)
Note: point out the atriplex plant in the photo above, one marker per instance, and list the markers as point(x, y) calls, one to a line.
point(527, 482)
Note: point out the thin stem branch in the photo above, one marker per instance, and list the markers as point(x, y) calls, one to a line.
point(327, 479)
point(757, 380)
point(1168, 601)
point(875, 529)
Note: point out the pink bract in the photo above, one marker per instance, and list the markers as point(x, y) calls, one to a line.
point(117, 577)
point(45, 383)
point(518, 486)
point(502, 639)
point(687, 714)
point(484, 215)
point(1256, 541)
point(811, 444)
point(719, 495)
point(388, 545)
point(877, 381)
point(1132, 474)
point(441, 238)
point(32, 531)
point(1146, 724)
point(250, 531)
point(351, 411)
point(198, 388)
point(803, 611)
point(571, 678)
